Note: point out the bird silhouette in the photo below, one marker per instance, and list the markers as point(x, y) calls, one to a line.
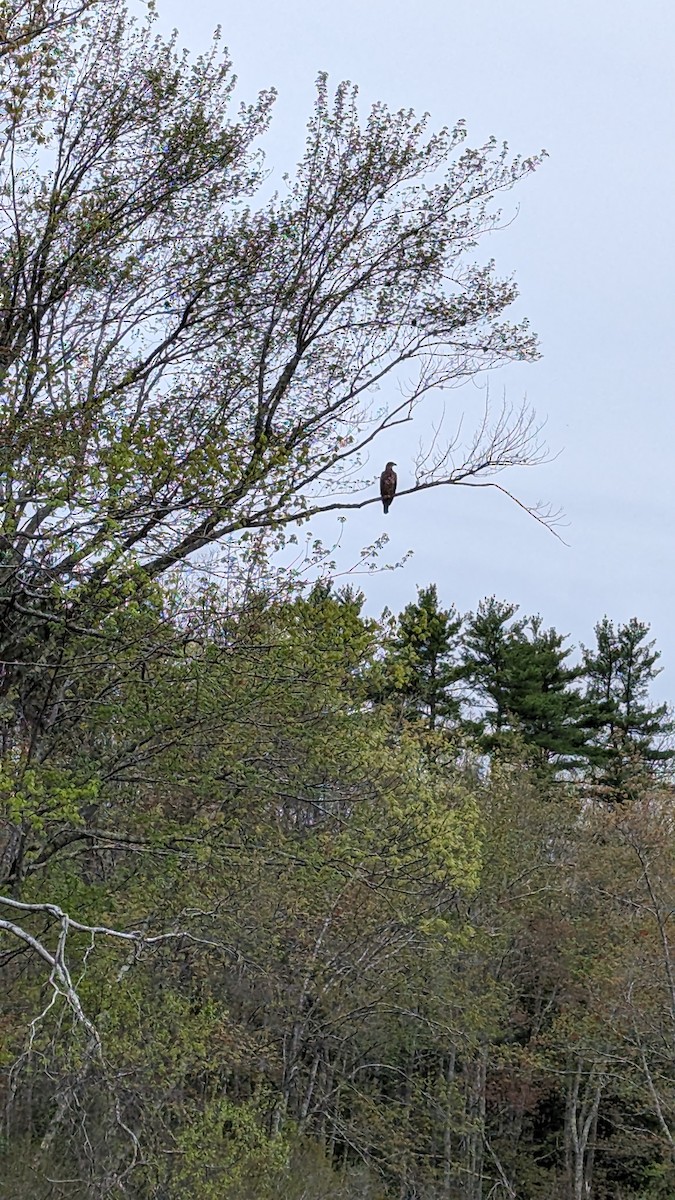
point(388, 481)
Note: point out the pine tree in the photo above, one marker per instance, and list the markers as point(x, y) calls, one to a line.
point(524, 686)
point(422, 667)
point(630, 731)
point(488, 661)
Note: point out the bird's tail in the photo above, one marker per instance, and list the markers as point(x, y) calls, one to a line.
point(385, 505)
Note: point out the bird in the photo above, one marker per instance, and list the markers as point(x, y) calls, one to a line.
point(388, 483)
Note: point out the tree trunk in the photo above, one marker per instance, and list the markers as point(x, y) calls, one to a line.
point(581, 1115)
point(447, 1132)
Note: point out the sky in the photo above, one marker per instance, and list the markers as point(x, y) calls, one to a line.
point(592, 249)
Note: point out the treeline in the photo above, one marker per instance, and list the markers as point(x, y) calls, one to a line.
point(506, 680)
point(293, 918)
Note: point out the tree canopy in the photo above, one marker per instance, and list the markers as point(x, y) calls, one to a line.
point(294, 901)
point(204, 361)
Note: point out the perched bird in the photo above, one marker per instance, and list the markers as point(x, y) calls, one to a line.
point(388, 483)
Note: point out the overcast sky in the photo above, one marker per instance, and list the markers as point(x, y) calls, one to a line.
point(593, 251)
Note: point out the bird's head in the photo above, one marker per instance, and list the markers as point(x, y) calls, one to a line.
point(389, 466)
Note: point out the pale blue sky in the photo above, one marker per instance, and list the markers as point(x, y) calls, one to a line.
point(593, 251)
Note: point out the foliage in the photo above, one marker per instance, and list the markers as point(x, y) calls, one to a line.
point(295, 902)
point(523, 684)
point(421, 666)
point(631, 735)
point(295, 936)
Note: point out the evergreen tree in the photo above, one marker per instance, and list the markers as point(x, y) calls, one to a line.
point(422, 666)
point(489, 644)
point(524, 685)
point(630, 731)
